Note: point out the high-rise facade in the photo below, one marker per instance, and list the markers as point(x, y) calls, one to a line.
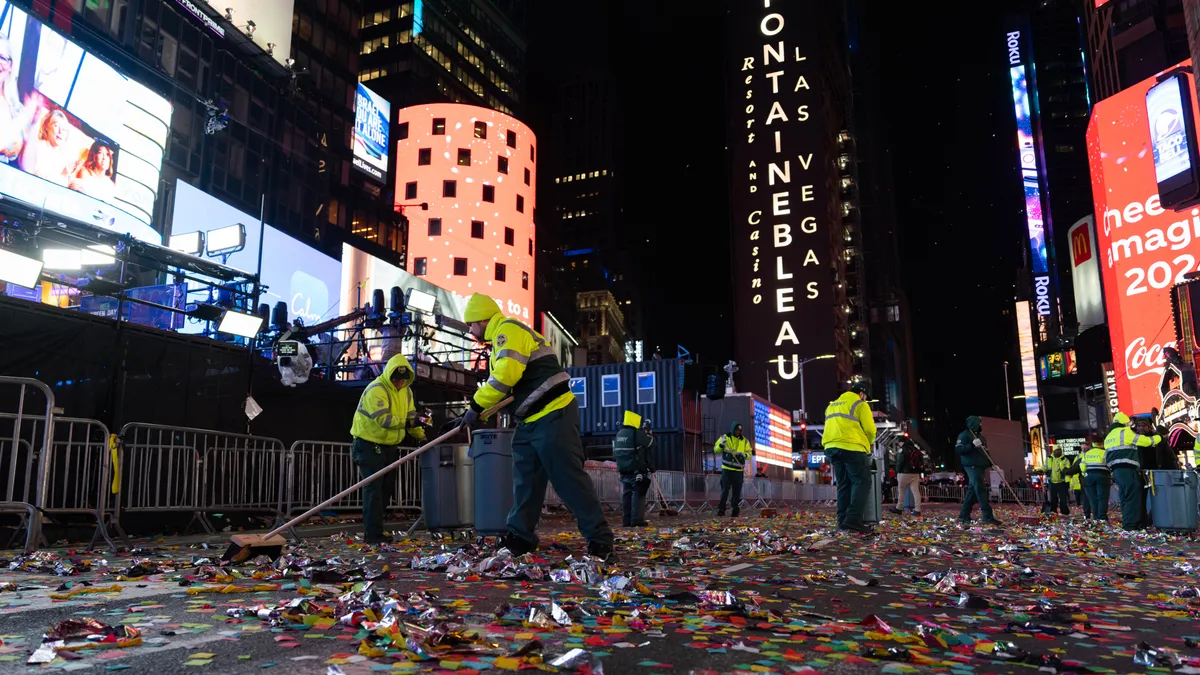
point(1131, 40)
point(797, 252)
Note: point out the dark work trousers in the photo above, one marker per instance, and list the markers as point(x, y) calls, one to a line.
point(852, 471)
point(1058, 498)
point(1133, 496)
point(549, 451)
point(369, 458)
point(977, 491)
point(633, 498)
point(1083, 502)
point(1098, 483)
point(731, 481)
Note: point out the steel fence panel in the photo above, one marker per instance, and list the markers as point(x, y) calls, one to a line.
point(317, 470)
point(79, 474)
point(22, 470)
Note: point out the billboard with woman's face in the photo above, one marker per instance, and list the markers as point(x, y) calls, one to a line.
point(77, 138)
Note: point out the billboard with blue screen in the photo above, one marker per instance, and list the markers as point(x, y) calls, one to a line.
point(372, 115)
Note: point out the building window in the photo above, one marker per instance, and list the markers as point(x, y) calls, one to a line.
point(511, 139)
point(424, 157)
point(410, 190)
point(477, 229)
point(520, 204)
point(579, 388)
point(610, 391)
point(525, 280)
point(439, 126)
point(489, 193)
point(419, 267)
point(402, 131)
point(481, 130)
point(527, 177)
point(508, 235)
point(449, 188)
point(460, 267)
point(532, 154)
point(645, 388)
point(531, 246)
point(464, 157)
point(435, 227)
point(501, 271)
point(503, 162)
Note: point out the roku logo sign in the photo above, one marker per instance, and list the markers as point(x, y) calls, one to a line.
point(1014, 48)
point(1041, 286)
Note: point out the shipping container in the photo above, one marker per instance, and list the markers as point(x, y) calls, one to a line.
point(673, 451)
point(652, 389)
point(768, 427)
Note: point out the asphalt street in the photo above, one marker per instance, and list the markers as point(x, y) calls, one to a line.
point(689, 594)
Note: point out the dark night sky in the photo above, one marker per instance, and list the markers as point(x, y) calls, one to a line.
point(945, 114)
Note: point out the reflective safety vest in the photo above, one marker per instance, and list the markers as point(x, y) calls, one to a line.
point(1093, 460)
point(1122, 447)
point(849, 425)
point(734, 452)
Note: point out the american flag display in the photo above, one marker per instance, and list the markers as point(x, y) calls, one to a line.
point(772, 435)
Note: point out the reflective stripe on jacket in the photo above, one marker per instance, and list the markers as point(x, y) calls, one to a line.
point(848, 424)
point(1093, 460)
point(523, 365)
point(1122, 447)
point(734, 452)
point(385, 414)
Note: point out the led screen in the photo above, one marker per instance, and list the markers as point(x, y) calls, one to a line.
point(1027, 153)
point(1028, 364)
point(476, 168)
point(306, 279)
point(1143, 248)
point(76, 136)
point(371, 118)
point(1168, 132)
point(772, 435)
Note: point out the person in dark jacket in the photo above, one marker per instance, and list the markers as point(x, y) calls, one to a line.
point(972, 450)
point(909, 465)
point(631, 450)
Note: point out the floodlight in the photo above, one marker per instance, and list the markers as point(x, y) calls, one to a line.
point(229, 14)
point(19, 270)
point(191, 243)
point(98, 254)
point(226, 240)
point(237, 323)
point(421, 301)
point(62, 258)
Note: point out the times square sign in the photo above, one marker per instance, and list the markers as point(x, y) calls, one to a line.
point(781, 204)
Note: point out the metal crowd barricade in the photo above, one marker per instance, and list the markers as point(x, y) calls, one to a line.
point(79, 474)
point(317, 470)
point(23, 435)
point(165, 468)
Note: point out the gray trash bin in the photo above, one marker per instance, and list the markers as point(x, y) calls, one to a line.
point(1173, 496)
point(439, 488)
point(491, 450)
point(464, 467)
point(873, 511)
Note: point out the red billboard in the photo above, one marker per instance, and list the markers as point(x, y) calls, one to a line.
point(475, 169)
point(1144, 249)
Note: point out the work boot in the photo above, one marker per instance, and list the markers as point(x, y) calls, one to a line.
point(603, 552)
point(860, 528)
point(991, 521)
point(516, 545)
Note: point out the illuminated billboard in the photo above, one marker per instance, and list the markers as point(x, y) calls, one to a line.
point(772, 435)
point(1085, 273)
point(372, 115)
point(1029, 156)
point(76, 136)
point(1144, 248)
point(783, 219)
point(1028, 364)
point(476, 168)
point(267, 22)
point(293, 272)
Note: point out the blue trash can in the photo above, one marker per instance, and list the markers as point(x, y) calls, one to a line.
point(491, 450)
point(1173, 495)
point(439, 488)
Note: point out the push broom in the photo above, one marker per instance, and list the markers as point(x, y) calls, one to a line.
point(246, 546)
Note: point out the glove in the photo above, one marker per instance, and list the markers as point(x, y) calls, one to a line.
point(639, 478)
point(470, 418)
point(977, 443)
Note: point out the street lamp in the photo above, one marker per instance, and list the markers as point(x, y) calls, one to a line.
point(803, 405)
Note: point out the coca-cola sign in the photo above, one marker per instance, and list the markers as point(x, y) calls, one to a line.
point(1143, 248)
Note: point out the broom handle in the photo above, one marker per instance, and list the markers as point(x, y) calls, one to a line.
point(375, 476)
point(1002, 480)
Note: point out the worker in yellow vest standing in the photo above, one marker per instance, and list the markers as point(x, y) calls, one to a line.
point(848, 438)
point(1097, 479)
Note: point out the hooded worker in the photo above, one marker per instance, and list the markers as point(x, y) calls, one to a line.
point(734, 450)
point(385, 417)
point(546, 446)
point(972, 451)
point(848, 438)
point(1123, 455)
point(631, 450)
